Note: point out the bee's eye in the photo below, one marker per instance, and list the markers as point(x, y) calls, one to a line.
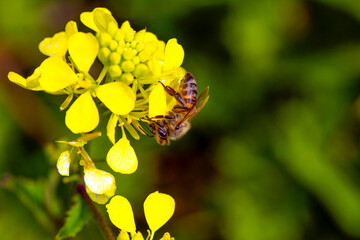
point(162, 133)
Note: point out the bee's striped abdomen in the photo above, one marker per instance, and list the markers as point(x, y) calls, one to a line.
point(188, 91)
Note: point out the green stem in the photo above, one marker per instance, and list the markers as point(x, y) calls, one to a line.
point(98, 216)
point(102, 74)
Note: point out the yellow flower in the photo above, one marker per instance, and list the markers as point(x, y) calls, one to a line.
point(63, 163)
point(31, 83)
point(121, 214)
point(167, 237)
point(117, 96)
point(57, 45)
point(101, 184)
point(100, 198)
point(158, 208)
point(121, 157)
point(83, 115)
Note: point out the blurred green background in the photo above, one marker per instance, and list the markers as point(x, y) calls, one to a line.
point(273, 155)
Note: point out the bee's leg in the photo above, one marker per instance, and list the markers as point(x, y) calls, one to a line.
point(179, 109)
point(143, 126)
point(174, 94)
point(162, 117)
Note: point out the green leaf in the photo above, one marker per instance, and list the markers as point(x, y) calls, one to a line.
point(77, 217)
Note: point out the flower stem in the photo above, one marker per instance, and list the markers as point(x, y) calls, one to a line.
point(98, 216)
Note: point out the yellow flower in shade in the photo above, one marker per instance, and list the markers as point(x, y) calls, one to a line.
point(31, 83)
point(158, 208)
point(117, 96)
point(63, 163)
point(83, 115)
point(157, 101)
point(100, 184)
point(121, 214)
point(121, 157)
point(83, 49)
point(56, 74)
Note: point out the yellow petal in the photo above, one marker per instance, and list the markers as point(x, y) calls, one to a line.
point(83, 115)
point(100, 198)
point(158, 208)
point(122, 158)
point(87, 18)
point(104, 21)
point(157, 101)
point(110, 128)
point(63, 163)
point(83, 49)
point(117, 96)
point(55, 46)
point(56, 74)
point(98, 181)
point(71, 28)
point(121, 214)
point(31, 83)
point(174, 54)
point(17, 79)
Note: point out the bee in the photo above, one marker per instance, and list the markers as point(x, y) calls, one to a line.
point(176, 123)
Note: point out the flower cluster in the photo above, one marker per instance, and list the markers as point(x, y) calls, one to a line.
point(158, 209)
point(126, 89)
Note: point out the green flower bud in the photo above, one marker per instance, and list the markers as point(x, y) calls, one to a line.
point(127, 78)
point(113, 45)
point(127, 66)
point(114, 58)
point(119, 35)
point(115, 71)
point(144, 56)
point(140, 69)
point(104, 39)
point(136, 60)
point(129, 36)
point(111, 28)
point(140, 46)
point(129, 53)
point(104, 54)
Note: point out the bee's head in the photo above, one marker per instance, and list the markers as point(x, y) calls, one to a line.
point(160, 134)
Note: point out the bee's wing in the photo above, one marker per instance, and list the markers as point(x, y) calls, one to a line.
point(203, 98)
